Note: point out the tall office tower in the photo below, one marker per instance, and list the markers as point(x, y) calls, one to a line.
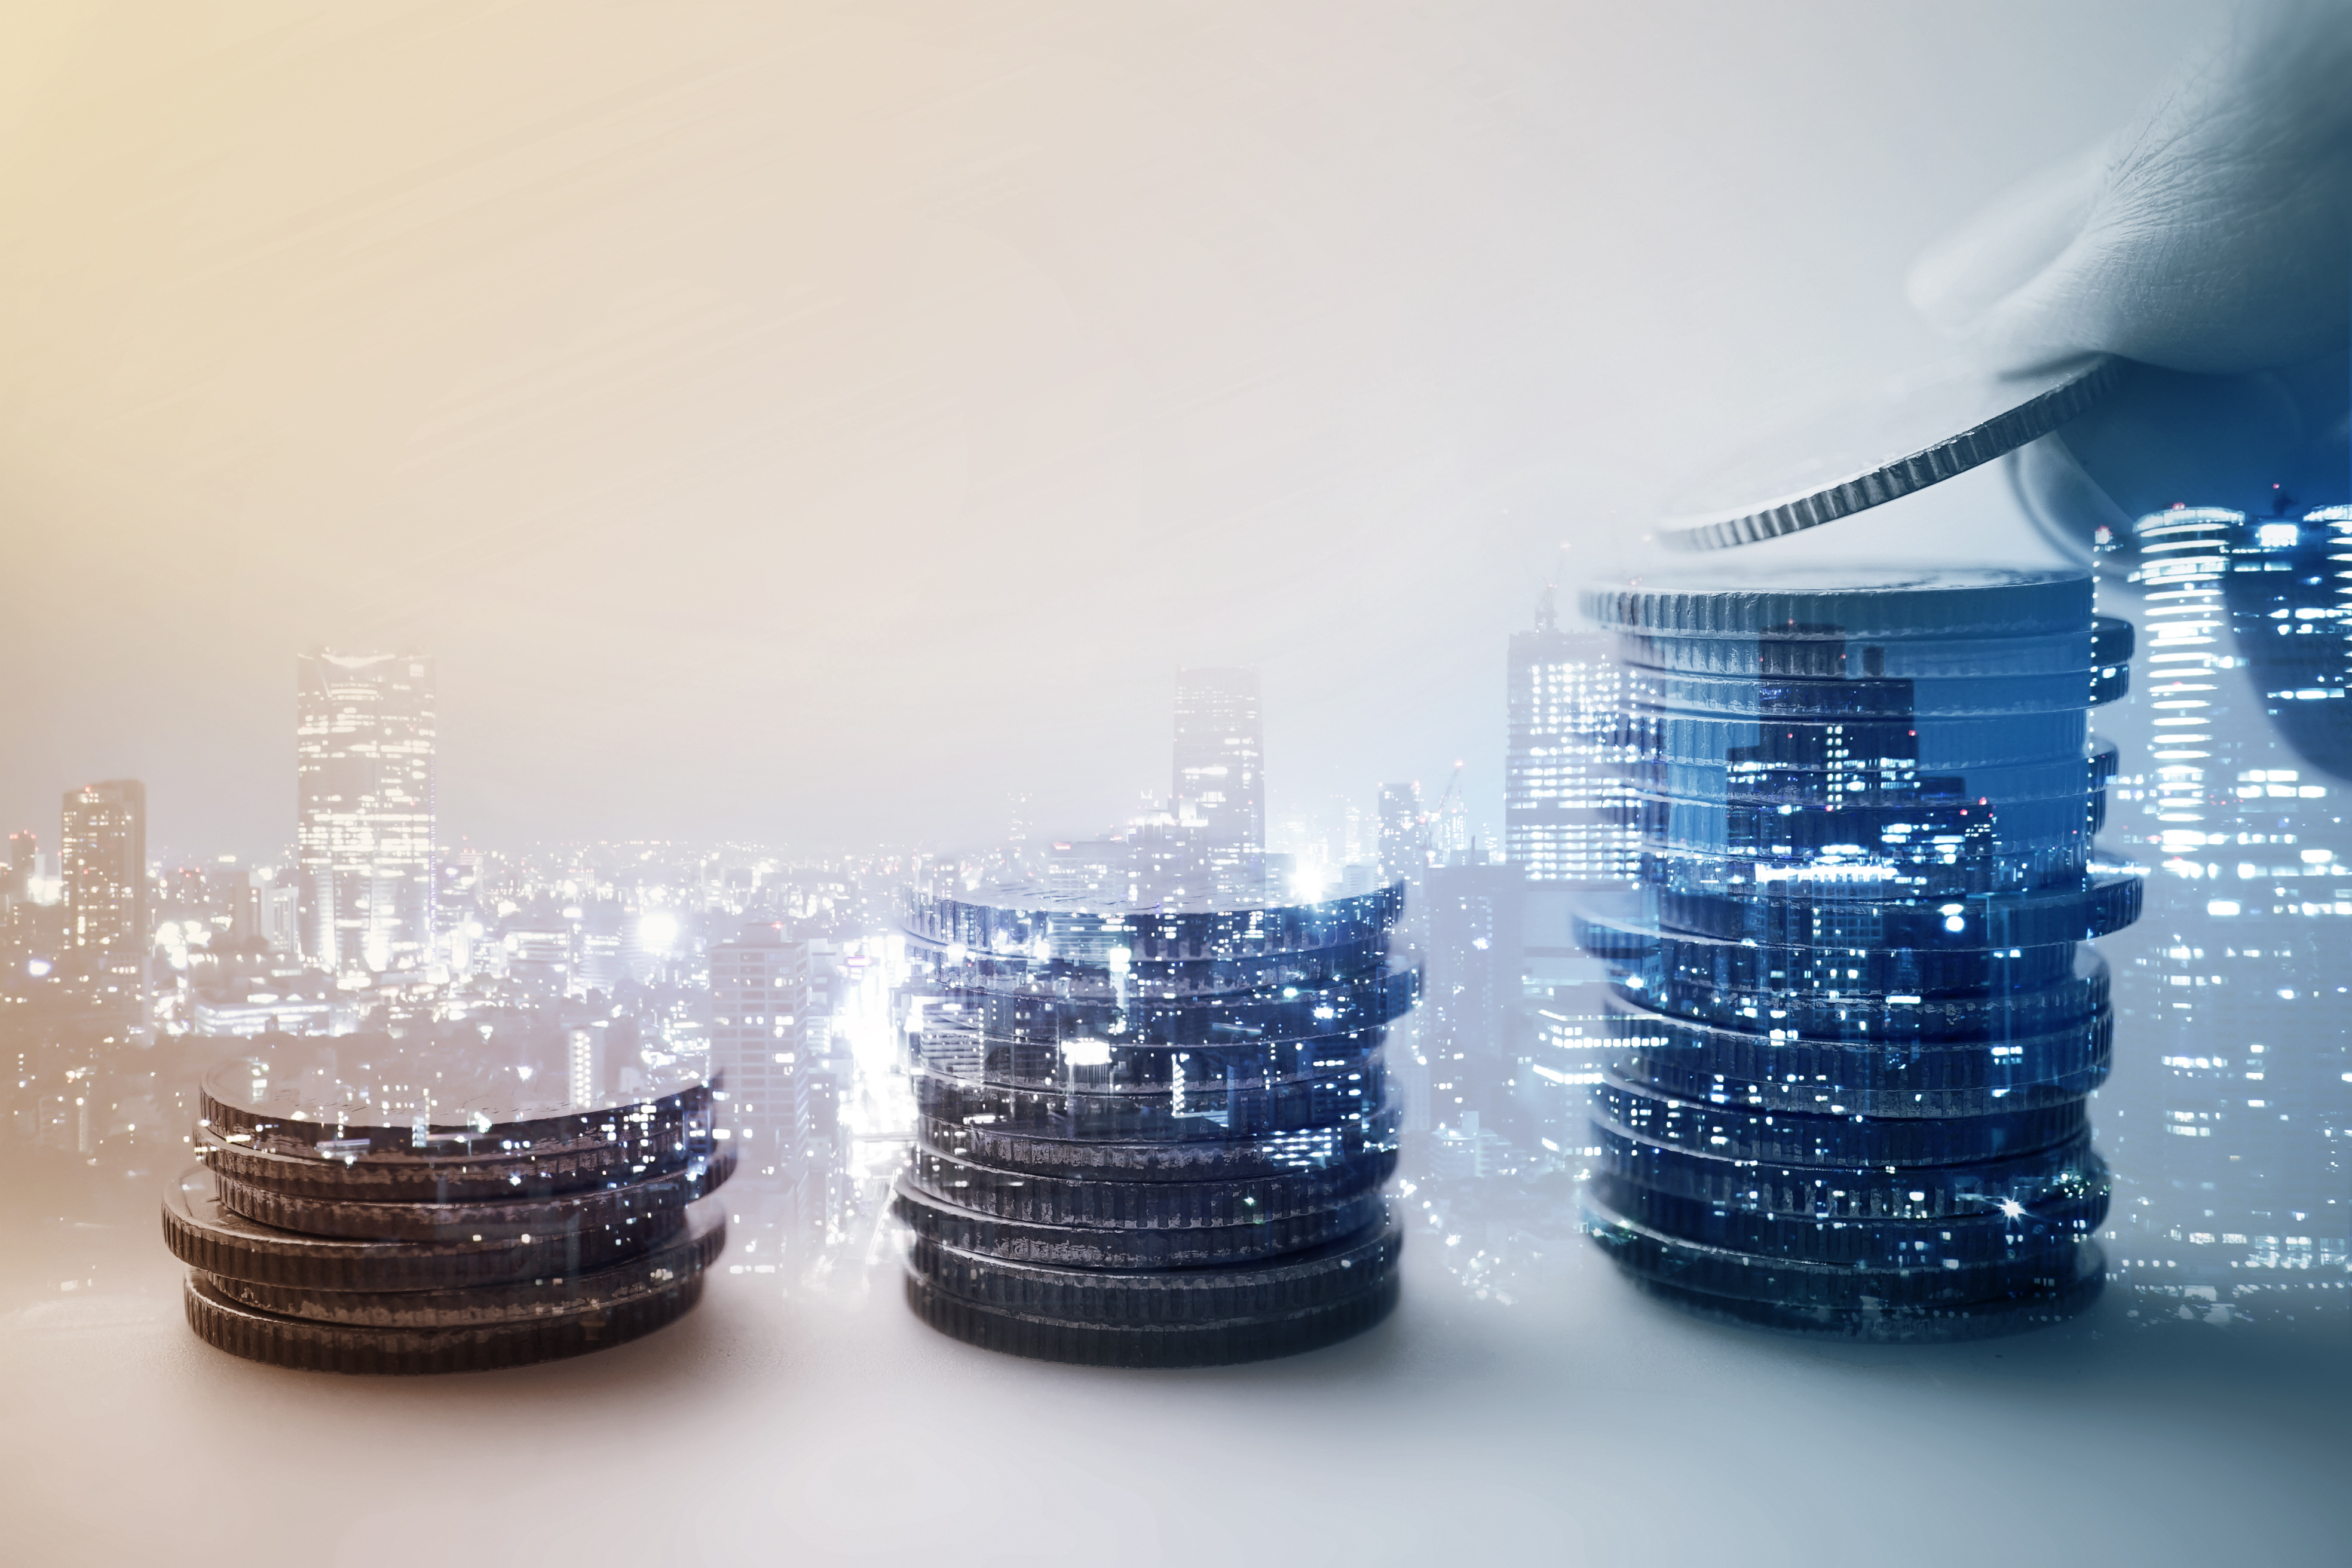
point(23, 848)
point(1150, 1136)
point(822, 1070)
point(1570, 824)
point(1857, 1035)
point(1470, 1016)
point(754, 1050)
point(364, 737)
point(1220, 775)
point(102, 865)
point(2231, 1130)
point(1404, 837)
point(17, 892)
point(267, 909)
point(1568, 810)
point(457, 909)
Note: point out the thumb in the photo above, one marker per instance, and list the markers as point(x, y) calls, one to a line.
point(2008, 244)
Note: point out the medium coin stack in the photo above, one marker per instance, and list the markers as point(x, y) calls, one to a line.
point(440, 1215)
point(1151, 1137)
point(1857, 1031)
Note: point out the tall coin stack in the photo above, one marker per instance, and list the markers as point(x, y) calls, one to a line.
point(1856, 1029)
point(1149, 1138)
point(436, 1216)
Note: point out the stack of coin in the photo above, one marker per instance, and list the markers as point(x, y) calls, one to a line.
point(1856, 1030)
point(440, 1215)
point(1151, 1137)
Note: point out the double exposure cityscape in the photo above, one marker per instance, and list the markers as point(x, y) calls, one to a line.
point(1104, 1085)
point(1285, 783)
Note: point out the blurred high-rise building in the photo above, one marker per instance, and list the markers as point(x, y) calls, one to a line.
point(16, 892)
point(772, 1004)
point(1567, 805)
point(1219, 780)
point(1569, 825)
point(364, 743)
point(102, 853)
point(24, 849)
point(2230, 1110)
point(1470, 918)
point(753, 1048)
point(102, 862)
point(1404, 837)
point(455, 912)
point(267, 910)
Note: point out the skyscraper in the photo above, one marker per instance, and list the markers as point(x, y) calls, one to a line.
point(16, 889)
point(1219, 778)
point(364, 742)
point(772, 1000)
point(1570, 826)
point(753, 1049)
point(1471, 921)
point(1567, 801)
point(1405, 837)
point(2232, 1108)
point(103, 857)
point(23, 849)
point(267, 910)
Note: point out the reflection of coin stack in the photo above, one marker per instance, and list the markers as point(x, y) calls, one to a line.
point(407, 1221)
point(1856, 1030)
point(1152, 1137)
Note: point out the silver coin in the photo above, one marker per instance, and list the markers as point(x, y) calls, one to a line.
point(1907, 436)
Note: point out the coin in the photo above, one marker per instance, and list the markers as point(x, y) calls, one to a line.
point(312, 1099)
point(1326, 1276)
point(1203, 1160)
point(1852, 1192)
point(2105, 903)
point(1800, 1138)
point(309, 1346)
point(1903, 437)
point(635, 1204)
point(1641, 1249)
point(1129, 1247)
point(1162, 1205)
point(1845, 602)
point(202, 1233)
point(2005, 1233)
point(290, 1166)
point(1222, 1343)
point(691, 1251)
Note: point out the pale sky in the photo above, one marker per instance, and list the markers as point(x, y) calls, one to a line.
point(812, 422)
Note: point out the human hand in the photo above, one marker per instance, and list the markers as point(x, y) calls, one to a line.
point(2211, 238)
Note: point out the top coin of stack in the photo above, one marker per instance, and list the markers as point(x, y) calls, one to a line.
point(1151, 1136)
point(1857, 1034)
point(440, 1211)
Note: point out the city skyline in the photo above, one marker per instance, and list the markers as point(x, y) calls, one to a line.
point(1103, 655)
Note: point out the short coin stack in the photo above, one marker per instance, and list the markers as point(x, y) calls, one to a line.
point(1151, 1137)
point(438, 1215)
point(1856, 1030)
